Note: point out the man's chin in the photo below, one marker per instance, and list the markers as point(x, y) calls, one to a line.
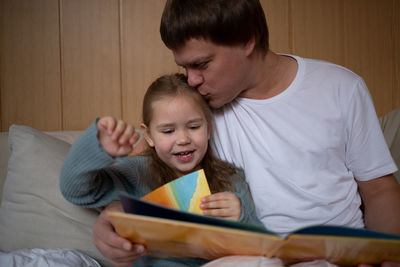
point(214, 105)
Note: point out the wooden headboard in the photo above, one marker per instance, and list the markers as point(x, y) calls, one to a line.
point(64, 62)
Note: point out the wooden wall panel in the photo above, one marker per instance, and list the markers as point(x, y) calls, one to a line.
point(317, 29)
point(369, 47)
point(90, 61)
point(2, 36)
point(29, 64)
point(64, 62)
point(396, 52)
point(144, 56)
point(278, 19)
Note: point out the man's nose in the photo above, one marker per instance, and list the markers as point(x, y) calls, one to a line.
point(194, 78)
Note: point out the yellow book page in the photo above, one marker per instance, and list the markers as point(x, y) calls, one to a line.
point(164, 237)
point(339, 250)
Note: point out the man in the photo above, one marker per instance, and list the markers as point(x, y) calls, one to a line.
point(304, 131)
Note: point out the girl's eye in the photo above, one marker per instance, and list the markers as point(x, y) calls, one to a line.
point(194, 127)
point(167, 131)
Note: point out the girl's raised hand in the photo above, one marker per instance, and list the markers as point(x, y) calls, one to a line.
point(116, 136)
point(222, 205)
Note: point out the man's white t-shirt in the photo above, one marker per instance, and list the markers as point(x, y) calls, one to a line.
point(303, 149)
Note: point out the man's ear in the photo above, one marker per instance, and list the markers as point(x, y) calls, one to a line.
point(146, 134)
point(249, 46)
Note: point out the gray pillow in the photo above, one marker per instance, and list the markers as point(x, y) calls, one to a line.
point(33, 213)
point(390, 124)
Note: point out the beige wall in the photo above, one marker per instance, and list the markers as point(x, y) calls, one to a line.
point(64, 62)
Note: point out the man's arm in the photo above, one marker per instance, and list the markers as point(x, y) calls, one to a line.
point(381, 198)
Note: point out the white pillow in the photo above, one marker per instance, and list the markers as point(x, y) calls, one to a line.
point(33, 213)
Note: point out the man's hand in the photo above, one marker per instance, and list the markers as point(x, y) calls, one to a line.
point(222, 205)
point(116, 136)
point(119, 251)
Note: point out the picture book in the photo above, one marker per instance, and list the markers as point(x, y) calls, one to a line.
point(183, 194)
point(167, 231)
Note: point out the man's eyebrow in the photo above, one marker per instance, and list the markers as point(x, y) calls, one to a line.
point(195, 61)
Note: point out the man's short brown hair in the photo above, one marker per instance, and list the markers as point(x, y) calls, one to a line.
point(223, 22)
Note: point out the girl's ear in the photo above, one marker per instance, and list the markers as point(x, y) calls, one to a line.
point(146, 134)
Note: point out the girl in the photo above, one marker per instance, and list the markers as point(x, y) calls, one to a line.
point(176, 126)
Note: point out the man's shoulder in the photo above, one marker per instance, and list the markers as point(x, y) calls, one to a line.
point(332, 69)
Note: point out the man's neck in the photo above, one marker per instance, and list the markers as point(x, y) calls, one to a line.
point(271, 75)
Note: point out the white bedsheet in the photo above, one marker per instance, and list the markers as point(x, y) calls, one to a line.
point(259, 261)
point(46, 258)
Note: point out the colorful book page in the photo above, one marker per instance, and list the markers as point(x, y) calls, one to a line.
point(184, 193)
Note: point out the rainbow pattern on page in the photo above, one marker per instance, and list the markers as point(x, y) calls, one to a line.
point(183, 193)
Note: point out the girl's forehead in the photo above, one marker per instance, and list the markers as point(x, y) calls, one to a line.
point(175, 105)
point(177, 99)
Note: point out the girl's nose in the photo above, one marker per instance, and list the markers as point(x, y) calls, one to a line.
point(183, 138)
point(194, 78)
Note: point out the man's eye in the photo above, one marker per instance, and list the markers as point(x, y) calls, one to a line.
point(201, 65)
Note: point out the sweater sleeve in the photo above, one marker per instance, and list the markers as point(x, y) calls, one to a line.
point(89, 176)
point(242, 191)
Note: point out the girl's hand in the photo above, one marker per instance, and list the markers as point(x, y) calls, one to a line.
point(221, 205)
point(116, 136)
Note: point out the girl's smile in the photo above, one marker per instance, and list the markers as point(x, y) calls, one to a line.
point(185, 156)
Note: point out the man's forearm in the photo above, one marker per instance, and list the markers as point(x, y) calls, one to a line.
point(381, 199)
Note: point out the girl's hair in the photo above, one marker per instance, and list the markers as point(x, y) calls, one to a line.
point(223, 22)
point(216, 170)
